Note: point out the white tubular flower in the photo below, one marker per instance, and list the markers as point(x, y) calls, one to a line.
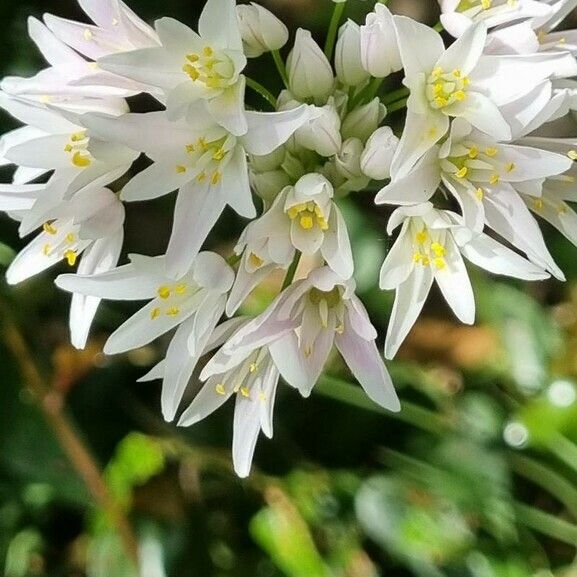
point(378, 154)
point(429, 248)
point(310, 73)
point(249, 374)
point(301, 326)
point(348, 63)
point(322, 133)
point(52, 142)
point(116, 28)
point(348, 160)
point(458, 15)
point(205, 162)
point(486, 178)
point(89, 225)
point(364, 120)
point(260, 29)
point(460, 82)
point(189, 67)
point(199, 294)
point(380, 54)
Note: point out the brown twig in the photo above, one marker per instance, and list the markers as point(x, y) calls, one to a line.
point(51, 402)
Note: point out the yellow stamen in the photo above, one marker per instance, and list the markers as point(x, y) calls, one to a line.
point(491, 152)
point(71, 256)
point(81, 161)
point(180, 168)
point(49, 229)
point(473, 152)
point(495, 179)
point(163, 292)
point(440, 263)
point(462, 173)
point(253, 368)
point(154, 313)
point(173, 312)
point(421, 237)
point(510, 167)
point(255, 260)
point(306, 221)
point(220, 390)
point(180, 289)
point(438, 249)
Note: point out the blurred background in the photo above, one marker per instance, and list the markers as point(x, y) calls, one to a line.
point(476, 477)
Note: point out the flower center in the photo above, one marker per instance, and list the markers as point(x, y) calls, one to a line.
point(481, 5)
point(308, 215)
point(329, 303)
point(77, 148)
point(243, 380)
point(170, 299)
point(205, 158)
point(428, 249)
point(63, 241)
point(213, 69)
point(446, 88)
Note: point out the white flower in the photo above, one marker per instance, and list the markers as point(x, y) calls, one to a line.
point(378, 154)
point(203, 160)
point(52, 142)
point(301, 326)
point(199, 296)
point(486, 178)
point(379, 45)
point(348, 55)
point(303, 217)
point(322, 133)
point(90, 224)
point(189, 67)
point(460, 82)
point(250, 375)
point(260, 29)
point(310, 73)
point(428, 249)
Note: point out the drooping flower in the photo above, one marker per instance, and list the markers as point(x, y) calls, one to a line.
point(430, 248)
point(190, 67)
point(301, 326)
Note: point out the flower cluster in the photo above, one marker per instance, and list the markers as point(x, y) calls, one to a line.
point(474, 163)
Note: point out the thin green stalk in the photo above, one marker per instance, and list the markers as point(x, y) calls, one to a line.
point(338, 12)
point(410, 413)
point(548, 479)
point(438, 27)
point(262, 91)
point(234, 259)
point(565, 450)
point(280, 66)
point(546, 524)
point(290, 275)
point(396, 95)
point(398, 105)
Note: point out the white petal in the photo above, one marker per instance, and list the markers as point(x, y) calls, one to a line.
point(228, 108)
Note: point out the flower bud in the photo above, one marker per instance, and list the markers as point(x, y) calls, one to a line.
point(379, 45)
point(348, 160)
point(348, 55)
point(268, 185)
point(364, 120)
point(260, 29)
point(322, 134)
point(310, 73)
point(378, 154)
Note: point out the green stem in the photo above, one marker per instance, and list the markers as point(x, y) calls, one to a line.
point(290, 275)
point(438, 27)
point(396, 95)
point(345, 392)
point(546, 524)
point(260, 89)
point(549, 480)
point(398, 105)
point(564, 449)
point(280, 66)
point(334, 29)
point(234, 259)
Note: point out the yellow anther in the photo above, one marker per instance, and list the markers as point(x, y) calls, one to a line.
point(78, 137)
point(193, 58)
point(473, 152)
point(308, 352)
point(438, 71)
point(323, 224)
point(572, 154)
point(421, 237)
point(460, 95)
point(457, 73)
point(70, 238)
point(202, 143)
point(245, 392)
point(491, 152)
point(261, 397)
point(216, 177)
point(438, 249)
point(462, 173)
point(80, 160)
point(486, 4)
point(71, 256)
point(306, 221)
point(201, 177)
point(219, 154)
point(220, 390)
point(480, 194)
point(68, 148)
point(154, 313)
point(46, 250)
point(510, 167)
point(466, 81)
point(190, 148)
point(255, 260)
point(208, 51)
point(440, 263)
point(438, 88)
point(426, 261)
point(495, 179)
point(191, 71)
point(163, 292)
point(180, 169)
point(537, 203)
point(173, 312)
point(49, 228)
point(561, 208)
point(180, 289)
point(417, 257)
point(340, 329)
point(253, 368)
point(441, 102)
